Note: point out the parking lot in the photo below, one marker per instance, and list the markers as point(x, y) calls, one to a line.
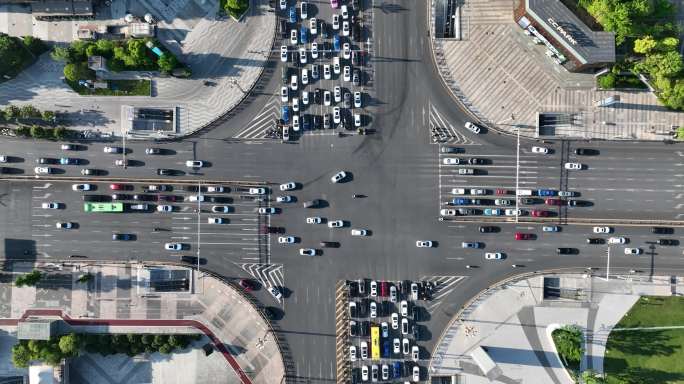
point(384, 329)
point(325, 49)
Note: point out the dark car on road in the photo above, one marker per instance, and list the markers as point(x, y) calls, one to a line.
point(96, 198)
point(165, 172)
point(567, 251)
point(596, 240)
point(329, 244)
point(662, 230)
point(586, 152)
point(488, 229)
point(670, 242)
point(122, 237)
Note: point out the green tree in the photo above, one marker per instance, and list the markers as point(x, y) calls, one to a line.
point(21, 355)
point(29, 279)
point(28, 111)
point(61, 54)
point(105, 48)
point(568, 340)
point(79, 71)
point(23, 131)
point(614, 16)
point(591, 377)
point(12, 55)
point(48, 116)
point(167, 63)
point(85, 277)
point(39, 132)
point(79, 48)
point(147, 339)
point(675, 96)
point(70, 344)
point(165, 349)
point(644, 45)
point(136, 52)
point(92, 50)
point(666, 64)
point(12, 112)
point(34, 44)
point(607, 81)
point(668, 44)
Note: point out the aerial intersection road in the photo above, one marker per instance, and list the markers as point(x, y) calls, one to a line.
point(400, 173)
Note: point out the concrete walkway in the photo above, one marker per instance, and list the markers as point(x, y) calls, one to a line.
point(513, 323)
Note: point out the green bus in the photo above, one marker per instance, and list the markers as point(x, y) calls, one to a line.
point(103, 207)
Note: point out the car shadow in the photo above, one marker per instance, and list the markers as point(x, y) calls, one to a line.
point(12, 171)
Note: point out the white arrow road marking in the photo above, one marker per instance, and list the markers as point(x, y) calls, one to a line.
point(45, 186)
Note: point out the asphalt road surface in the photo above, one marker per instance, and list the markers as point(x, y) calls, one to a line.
point(399, 170)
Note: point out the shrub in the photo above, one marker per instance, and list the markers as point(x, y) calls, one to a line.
point(79, 71)
point(607, 81)
point(29, 279)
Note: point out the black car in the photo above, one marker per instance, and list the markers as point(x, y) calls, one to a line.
point(528, 201)
point(347, 100)
point(283, 29)
point(326, 121)
point(317, 96)
point(567, 251)
point(585, 152)
point(191, 188)
point(476, 161)
point(122, 237)
point(144, 197)
point(46, 160)
point(121, 196)
point(356, 32)
point(96, 198)
point(329, 244)
point(667, 242)
point(595, 240)
point(488, 229)
point(164, 172)
point(662, 230)
point(316, 122)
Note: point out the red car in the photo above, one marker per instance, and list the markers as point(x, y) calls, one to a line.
point(539, 213)
point(118, 187)
point(502, 192)
point(384, 290)
point(247, 284)
point(553, 201)
point(523, 236)
point(166, 198)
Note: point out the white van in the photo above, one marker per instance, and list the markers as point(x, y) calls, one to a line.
point(286, 133)
point(524, 192)
point(458, 191)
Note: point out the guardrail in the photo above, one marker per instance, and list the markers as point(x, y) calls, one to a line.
point(341, 332)
point(133, 181)
point(566, 221)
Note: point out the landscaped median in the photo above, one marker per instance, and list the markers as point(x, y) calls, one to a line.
point(647, 345)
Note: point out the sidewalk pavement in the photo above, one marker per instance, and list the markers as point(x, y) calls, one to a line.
point(513, 323)
point(228, 53)
point(116, 302)
point(498, 73)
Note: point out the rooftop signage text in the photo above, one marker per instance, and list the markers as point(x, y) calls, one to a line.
point(562, 31)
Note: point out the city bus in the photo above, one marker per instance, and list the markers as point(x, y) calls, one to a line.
point(375, 342)
point(103, 207)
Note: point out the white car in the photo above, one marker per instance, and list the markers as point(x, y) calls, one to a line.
point(220, 209)
point(364, 350)
point(373, 288)
point(275, 292)
point(295, 104)
point(447, 212)
point(451, 161)
point(81, 187)
point(293, 37)
point(257, 191)
point(302, 55)
point(283, 53)
point(336, 115)
point(327, 98)
point(573, 166)
point(112, 149)
point(472, 127)
point(566, 193)
point(346, 51)
point(52, 205)
point(164, 208)
point(346, 73)
point(283, 5)
point(416, 374)
point(4, 159)
point(326, 72)
point(335, 223)
point(478, 191)
point(339, 176)
point(344, 12)
point(284, 199)
point(493, 256)
point(357, 120)
point(41, 170)
point(359, 232)
point(352, 353)
point(121, 162)
point(216, 220)
point(458, 191)
point(364, 372)
point(284, 94)
point(373, 310)
point(305, 76)
point(307, 252)
point(403, 307)
point(551, 228)
point(173, 246)
point(345, 28)
point(336, 21)
point(64, 225)
point(513, 212)
point(337, 92)
point(603, 230)
point(288, 186)
point(216, 188)
point(405, 346)
point(266, 210)
point(196, 198)
point(384, 329)
point(194, 163)
point(385, 372)
point(357, 99)
point(617, 240)
point(632, 251)
point(313, 26)
point(314, 220)
point(395, 320)
point(542, 150)
point(294, 82)
point(414, 291)
point(502, 202)
point(286, 239)
point(304, 10)
point(415, 353)
point(396, 345)
point(314, 50)
point(424, 244)
point(336, 65)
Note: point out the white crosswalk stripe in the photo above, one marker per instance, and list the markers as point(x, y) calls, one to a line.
point(443, 132)
point(444, 285)
point(270, 275)
point(262, 122)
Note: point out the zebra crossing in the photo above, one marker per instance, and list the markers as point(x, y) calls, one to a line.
point(263, 122)
point(443, 132)
point(269, 275)
point(444, 285)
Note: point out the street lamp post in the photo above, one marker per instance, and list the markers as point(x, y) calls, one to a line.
point(199, 217)
point(608, 263)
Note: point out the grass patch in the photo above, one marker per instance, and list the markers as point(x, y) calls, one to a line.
point(648, 356)
point(116, 88)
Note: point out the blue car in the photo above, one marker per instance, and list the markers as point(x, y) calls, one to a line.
point(492, 212)
point(293, 15)
point(546, 192)
point(303, 35)
point(386, 349)
point(305, 123)
point(286, 114)
point(460, 201)
point(397, 370)
point(336, 43)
